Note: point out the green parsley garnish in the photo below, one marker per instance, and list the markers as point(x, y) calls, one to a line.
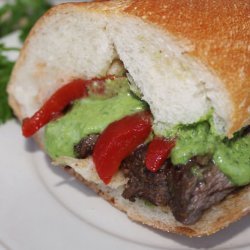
point(5, 71)
point(19, 15)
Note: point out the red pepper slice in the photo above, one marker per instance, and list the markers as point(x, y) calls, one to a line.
point(119, 140)
point(54, 105)
point(158, 151)
point(59, 100)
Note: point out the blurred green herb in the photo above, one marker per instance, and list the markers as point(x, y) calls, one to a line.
point(21, 15)
point(5, 71)
point(18, 15)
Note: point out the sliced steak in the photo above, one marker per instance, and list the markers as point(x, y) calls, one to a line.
point(85, 146)
point(195, 187)
point(143, 183)
point(188, 189)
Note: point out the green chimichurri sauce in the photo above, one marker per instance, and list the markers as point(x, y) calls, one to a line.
point(88, 116)
point(231, 156)
point(233, 159)
point(93, 114)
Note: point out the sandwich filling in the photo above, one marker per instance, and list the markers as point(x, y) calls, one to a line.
point(198, 169)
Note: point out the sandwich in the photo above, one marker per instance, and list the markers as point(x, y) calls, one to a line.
point(147, 103)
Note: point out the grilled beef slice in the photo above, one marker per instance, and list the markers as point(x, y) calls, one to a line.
point(188, 189)
point(85, 146)
point(195, 187)
point(143, 183)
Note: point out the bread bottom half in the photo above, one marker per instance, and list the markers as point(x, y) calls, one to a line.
point(214, 219)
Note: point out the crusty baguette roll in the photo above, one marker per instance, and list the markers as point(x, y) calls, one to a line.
point(186, 59)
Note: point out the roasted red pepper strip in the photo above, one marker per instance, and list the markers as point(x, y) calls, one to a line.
point(158, 151)
point(59, 100)
point(119, 140)
point(54, 105)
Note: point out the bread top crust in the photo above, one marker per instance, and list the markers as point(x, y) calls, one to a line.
point(218, 34)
